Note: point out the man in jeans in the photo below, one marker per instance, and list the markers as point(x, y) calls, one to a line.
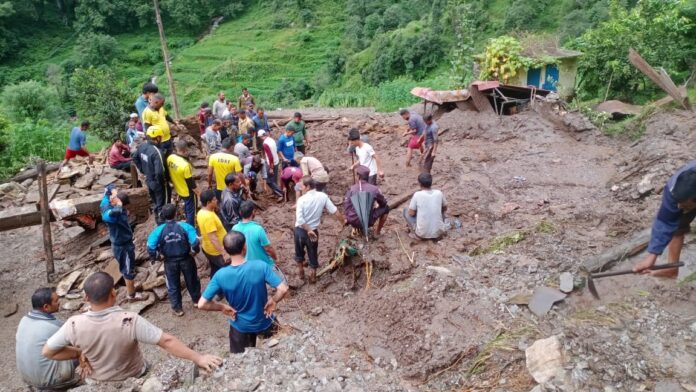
point(110, 337)
point(33, 331)
point(114, 212)
point(174, 241)
point(425, 213)
point(243, 284)
point(212, 232)
point(307, 219)
point(272, 163)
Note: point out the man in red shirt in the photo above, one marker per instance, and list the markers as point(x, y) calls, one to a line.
point(119, 156)
point(203, 114)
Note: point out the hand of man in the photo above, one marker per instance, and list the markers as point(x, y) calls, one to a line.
point(229, 311)
point(209, 362)
point(85, 367)
point(312, 236)
point(381, 174)
point(269, 308)
point(645, 264)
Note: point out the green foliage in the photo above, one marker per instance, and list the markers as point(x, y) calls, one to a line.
point(30, 99)
point(399, 55)
point(660, 30)
point(288, 93)
point(102, 100)
point(502, 59)
point(92, 49)
point(196, 14)
point(462, 57)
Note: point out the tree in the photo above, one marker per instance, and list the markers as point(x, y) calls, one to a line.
point(101, 99)
point(462, 57)
point(30, 99)
point(92, 49)
point(660, 30)
point(502, 59)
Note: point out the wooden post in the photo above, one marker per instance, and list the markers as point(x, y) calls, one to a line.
point(45, 219)
point(134, 176)
point(165, 57)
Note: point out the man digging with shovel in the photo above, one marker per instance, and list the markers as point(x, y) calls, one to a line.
point(673, 220)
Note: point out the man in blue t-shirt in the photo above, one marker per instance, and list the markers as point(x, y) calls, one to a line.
point(77, 145)
point(286, 148)
point(673, 221)
point(243, 284)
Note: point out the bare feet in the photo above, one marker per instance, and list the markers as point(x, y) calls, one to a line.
point(312, 275)
point(671, 273)
point(647, 262)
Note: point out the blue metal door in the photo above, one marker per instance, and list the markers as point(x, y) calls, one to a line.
point(533, 77)
point(551, 79)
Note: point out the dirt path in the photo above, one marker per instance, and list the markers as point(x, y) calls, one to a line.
point(533, 199)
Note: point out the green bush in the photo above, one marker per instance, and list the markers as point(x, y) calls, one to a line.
point(92, 49)
point(102, 100)
point(395, 94)
point(30, 99)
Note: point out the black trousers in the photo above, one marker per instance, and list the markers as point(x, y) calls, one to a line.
point(160, 194)
point(241, 340)
point(172, 271)
point(303, 242)
point(216, 262)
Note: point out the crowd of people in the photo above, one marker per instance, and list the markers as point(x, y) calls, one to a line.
point(242, 153)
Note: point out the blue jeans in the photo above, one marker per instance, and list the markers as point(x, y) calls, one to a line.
point(172, 271)
point(190, 209)
point(273, 181)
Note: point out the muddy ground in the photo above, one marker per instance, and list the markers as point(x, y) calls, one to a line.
point(534, 199)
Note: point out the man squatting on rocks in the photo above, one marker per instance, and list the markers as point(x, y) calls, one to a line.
point(243, 284)
point(109, 337)
point(673, 221)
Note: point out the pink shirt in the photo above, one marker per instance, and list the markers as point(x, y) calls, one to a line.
point(116, 155)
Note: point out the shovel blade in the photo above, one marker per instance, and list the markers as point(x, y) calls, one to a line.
point(591, 287)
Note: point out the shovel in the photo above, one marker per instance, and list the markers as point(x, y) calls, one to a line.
point(591, 277)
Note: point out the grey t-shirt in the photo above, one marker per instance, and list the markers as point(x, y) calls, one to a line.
point(241, 151)
point(428, 205)
point(36, 370)
point(212, 139)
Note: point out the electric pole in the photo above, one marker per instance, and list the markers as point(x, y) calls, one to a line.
point(165, 56)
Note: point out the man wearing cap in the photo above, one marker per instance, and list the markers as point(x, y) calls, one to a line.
point(150, 162)
point(155, 114)
point(312, 167)
point(134, 117)
point(378, 212)
point(114, 212)
point(301, 138)
point(181, 174)
point(366, 156)
point(673, 221)
point(310, 208)
point(221, 164)
point(270, 150)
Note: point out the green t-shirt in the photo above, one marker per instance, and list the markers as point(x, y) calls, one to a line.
point(300, 131)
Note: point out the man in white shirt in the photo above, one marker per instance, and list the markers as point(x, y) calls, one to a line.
point(307, 219)
point(425, 213)
point(219, 106)
point(270, 149)
point(366, 156)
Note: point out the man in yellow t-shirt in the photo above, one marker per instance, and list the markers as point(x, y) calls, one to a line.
point(155, 114)
point(212, 232)
point(221, 164)
point(181, 174)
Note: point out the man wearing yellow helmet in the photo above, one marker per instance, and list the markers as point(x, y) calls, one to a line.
point(150, 161)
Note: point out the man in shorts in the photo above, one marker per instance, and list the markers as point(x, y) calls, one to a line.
point(77, 144)
point(243, 284)
point(416, 127)
point(114, 212)
point(673, 221)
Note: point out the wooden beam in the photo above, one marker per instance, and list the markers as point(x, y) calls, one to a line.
point(630, 247)
point(661, 78)
point(398, 200)
point(32, 173)
point(45, 219)
point(14, 218)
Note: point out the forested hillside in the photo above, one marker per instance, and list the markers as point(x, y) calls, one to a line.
point(309, 52)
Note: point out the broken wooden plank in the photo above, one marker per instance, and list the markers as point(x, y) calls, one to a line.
point(32, 173)
point(66, 283)
point(13, 218)
point(661, 78)
point(398, 200)
point(629, 247)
